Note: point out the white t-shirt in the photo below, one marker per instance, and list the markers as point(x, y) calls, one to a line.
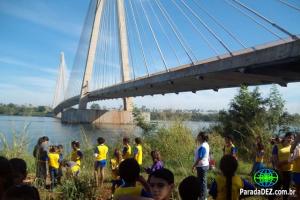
point(202, 151)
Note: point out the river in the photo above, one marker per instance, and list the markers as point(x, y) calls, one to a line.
point(59, 133)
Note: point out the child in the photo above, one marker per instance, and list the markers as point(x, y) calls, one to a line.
point(76, 154)
point(53, 162)
point(189, 188)
point(157, 163)
point(72, 168)
point(161, 184)
point(259, 158)
point(114, 163)
point(24, 192)
point(6, 176)
point(60, 149)
point(227, 186)
point(229, 147)
point(19, 170)
point(129, 171)
point(126, 153)
point(295, 158)
point(100, 154)
point(138, 151)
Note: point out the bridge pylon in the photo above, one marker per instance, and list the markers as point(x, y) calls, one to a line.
point(91, 56)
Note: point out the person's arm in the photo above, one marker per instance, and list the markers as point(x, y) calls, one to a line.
point(275, 156)
point(144, 184)
point(201, 153)
point(96, 152)
point(234, 152)
point(213, 190)
point(80, 154)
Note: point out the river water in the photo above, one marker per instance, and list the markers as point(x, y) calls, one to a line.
point(58, 133)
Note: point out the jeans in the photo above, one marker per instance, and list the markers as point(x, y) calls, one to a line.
point(202, 176)
point(53, 175)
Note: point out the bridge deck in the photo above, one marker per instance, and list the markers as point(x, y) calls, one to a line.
point(276, 62)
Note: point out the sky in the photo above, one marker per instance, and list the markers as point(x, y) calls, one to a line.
point(34, 32)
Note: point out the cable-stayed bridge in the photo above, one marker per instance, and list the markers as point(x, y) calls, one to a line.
point(132, 48)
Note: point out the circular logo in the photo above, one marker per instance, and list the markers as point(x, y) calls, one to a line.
point(266, 177)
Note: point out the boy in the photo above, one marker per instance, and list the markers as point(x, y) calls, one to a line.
point(161, 184)
point(19, 170)
point(229, 147)
point(100, 154)
point(53, 162)
point(126, 153)
point(129, 171)
point(138, 151)
point(189, 188)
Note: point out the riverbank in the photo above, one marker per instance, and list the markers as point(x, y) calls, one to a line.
point(176, 144)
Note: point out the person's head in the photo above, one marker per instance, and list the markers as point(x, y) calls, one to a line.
point(52, 149)
point(117, 154)
point(40, 141)
point(155, 155)
point(6, 177)
point(100, 140)
point(19, 170)
point(260, 146)
point(161, 184)
point(125, 140)
point(228, 166)
point(138, 140)
point(129, 170)
point(288, 138)
point(75, 144)
point(45, 139)
point(60, 148)
point(21, 192)
point(202, 137)
point(228, 139)
point(189, 188)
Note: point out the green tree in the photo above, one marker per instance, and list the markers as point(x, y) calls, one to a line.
point(275, 114)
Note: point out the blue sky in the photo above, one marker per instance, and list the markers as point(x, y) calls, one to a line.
point(34, 32)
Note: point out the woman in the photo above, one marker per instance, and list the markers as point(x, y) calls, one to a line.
point(202, 162)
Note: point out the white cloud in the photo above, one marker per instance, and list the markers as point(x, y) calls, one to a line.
point(17, 62)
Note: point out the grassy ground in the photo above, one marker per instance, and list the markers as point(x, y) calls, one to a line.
point(175, 143)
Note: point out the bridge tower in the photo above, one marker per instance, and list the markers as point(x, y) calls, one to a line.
point(91, 56)
point(59, 94)
point(125, 69)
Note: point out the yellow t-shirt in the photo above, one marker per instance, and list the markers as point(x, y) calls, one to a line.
point(127, 191)
point(115, 168)
point(127, 154)
point(138, 154)
point(75, 157)
point(284, 155)
point(101, 150)
point(237, 184)
point(53, 160)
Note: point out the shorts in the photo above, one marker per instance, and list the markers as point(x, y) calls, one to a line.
point(296, 178)
point(100, 164)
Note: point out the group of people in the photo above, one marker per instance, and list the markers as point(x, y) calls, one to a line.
point(126, 166)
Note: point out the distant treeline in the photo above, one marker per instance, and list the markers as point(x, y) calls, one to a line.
point(184, 115)
point(24, 110)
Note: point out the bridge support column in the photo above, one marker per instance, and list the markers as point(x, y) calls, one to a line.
point(123, 41)
point(91, 56)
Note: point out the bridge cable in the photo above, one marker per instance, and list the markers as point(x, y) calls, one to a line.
point(219, 23)
point(217, 53)
point(105, 43)
point(253, 19)
point(139, 38)
point(129, 43)
point(290, 5)
point(265, 19)
point(154, 36)
point(208, 28)
point(174, 29)
point(164, 33)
